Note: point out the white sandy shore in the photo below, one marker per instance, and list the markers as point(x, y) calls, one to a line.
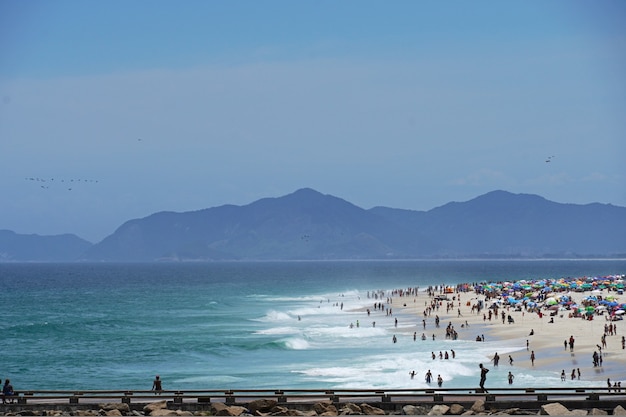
point(547, 341)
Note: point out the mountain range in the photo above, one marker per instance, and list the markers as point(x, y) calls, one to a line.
point(308, 225)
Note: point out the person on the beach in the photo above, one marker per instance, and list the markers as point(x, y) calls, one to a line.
point(511, 376)
point(429, 377)
point(483, 376)
point(573, 374)
point(439, 380)
point(532, 358)
point(412, 373)
point(156, 385)
point(563, 375)
point(578, 372)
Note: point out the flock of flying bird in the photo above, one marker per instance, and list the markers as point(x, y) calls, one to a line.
point(45, 183)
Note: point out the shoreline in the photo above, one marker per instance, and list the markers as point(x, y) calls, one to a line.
point(547, 342)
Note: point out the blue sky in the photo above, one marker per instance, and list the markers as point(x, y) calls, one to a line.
point(148, 106)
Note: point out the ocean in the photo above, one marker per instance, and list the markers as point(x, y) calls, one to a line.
point(239, 325)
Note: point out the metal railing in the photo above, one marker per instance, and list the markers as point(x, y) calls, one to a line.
point(311, 395)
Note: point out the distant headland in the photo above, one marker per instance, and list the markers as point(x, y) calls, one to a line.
point(309, 225)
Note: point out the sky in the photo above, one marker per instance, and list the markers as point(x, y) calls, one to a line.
point(112, 111)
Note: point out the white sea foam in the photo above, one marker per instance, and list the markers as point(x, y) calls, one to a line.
point(277, 330)
point(274, 316)
point(336, 333)
point(296, 343)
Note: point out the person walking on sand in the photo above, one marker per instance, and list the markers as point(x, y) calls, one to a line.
point(532, 357)
point(156, 385)
point(483, 377)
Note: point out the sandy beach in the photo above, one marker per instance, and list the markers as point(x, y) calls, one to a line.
point(551, 331)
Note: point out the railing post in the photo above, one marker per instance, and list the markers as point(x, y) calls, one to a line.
point(25, 395)
point(383, 397)
point(281, 398)
point(178, 399)
point(230, 399)
point(126, 397)
point(333, 398)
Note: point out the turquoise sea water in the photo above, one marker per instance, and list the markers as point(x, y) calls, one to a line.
point(235, 324)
